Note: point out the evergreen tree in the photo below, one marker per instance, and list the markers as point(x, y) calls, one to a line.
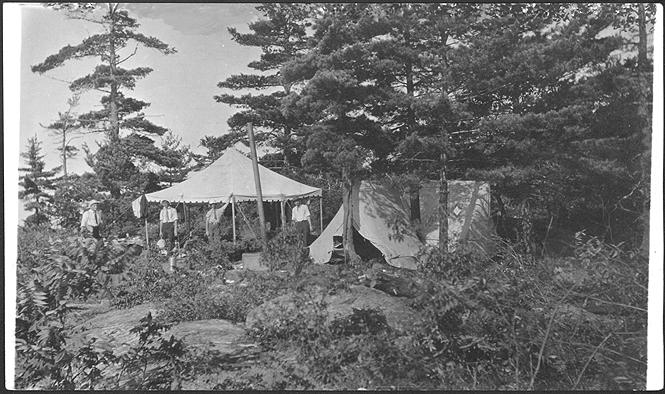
point(65, 128)
point(551, 121)
point(121, 118)
point(373, 87)
point(178, 160)
point(35, 182)
point(281, 36)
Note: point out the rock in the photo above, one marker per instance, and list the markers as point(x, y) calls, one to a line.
point(111, 329)
point(399, 315)
point(219, 336)
point(570, 275)
point(573, 315)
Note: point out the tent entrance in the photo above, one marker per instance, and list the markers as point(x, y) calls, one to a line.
point(364, 248)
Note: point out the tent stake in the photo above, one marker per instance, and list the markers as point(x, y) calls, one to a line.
point(233, 215)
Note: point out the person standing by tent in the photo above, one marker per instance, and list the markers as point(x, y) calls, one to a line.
point(168, 224)
point(91, 220)
point(301, 217)
point(212, 221)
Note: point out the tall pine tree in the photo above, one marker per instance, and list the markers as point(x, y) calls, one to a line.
point(121, 118)
point(281, 35)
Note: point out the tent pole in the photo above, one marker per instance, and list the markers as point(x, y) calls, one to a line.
point(257, 183)
point(282, 212)
point(147, 239)
point(321, 214)
point(233, 215)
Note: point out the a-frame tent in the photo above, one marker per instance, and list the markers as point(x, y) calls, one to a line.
point(381, 215)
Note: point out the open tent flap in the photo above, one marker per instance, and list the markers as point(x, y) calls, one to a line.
point(380, 218)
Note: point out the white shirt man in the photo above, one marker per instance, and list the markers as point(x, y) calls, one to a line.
point(301, 217)
point(92, 219)
point(213, 217)
point(168, 223)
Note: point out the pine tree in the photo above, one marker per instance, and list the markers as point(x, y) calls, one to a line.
point(551, 119)
point(35, 182)
point(65, 129)
point(121, 117)
point(374, 83)
point(281, 36)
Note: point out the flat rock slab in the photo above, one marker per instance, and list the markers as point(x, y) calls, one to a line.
point(219, 336)
point(110, 330)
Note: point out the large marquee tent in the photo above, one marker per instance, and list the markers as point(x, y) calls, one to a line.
point(228, 180)
point(231, 178)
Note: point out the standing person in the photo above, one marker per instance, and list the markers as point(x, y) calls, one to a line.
point(168, 224)
point(300, 216)
point(213, 219)
point(91, 220)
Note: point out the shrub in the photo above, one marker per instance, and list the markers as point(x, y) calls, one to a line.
point(285, 251)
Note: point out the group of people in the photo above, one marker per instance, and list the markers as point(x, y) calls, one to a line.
point(92, 222)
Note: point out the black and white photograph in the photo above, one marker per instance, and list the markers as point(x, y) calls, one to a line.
point(342, 196)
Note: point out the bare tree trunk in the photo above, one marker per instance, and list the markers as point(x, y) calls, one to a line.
point(347, 232)
point(64, 151)
point(114, 133)
point(443, 201)
point(645, 105)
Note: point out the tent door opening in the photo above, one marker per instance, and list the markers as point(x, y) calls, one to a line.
point(364, 248)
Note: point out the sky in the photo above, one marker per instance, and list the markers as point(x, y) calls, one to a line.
point(180, 89)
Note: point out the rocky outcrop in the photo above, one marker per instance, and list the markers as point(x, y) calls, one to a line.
point(111, 330)
point(399, 315)
point(215, 335)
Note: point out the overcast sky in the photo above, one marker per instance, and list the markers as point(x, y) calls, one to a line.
point(180, 89)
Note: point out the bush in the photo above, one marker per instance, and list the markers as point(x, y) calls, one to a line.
point(521, 324)
point(285, 252)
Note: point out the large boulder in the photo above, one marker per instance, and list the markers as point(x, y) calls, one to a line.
point(341, 304)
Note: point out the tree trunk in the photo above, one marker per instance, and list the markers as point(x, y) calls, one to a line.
point(347, 232)
point(645, 96)
point(443, 201)
point(64, 151)
point(114, 134)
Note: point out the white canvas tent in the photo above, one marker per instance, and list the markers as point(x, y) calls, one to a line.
point(381, 215)
point(230, 179)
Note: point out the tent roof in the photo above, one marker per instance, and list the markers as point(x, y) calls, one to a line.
point(232, 176)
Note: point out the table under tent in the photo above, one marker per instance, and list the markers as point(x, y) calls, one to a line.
point(230, 180)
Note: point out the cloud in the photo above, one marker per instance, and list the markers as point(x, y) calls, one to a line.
point(200, 19)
